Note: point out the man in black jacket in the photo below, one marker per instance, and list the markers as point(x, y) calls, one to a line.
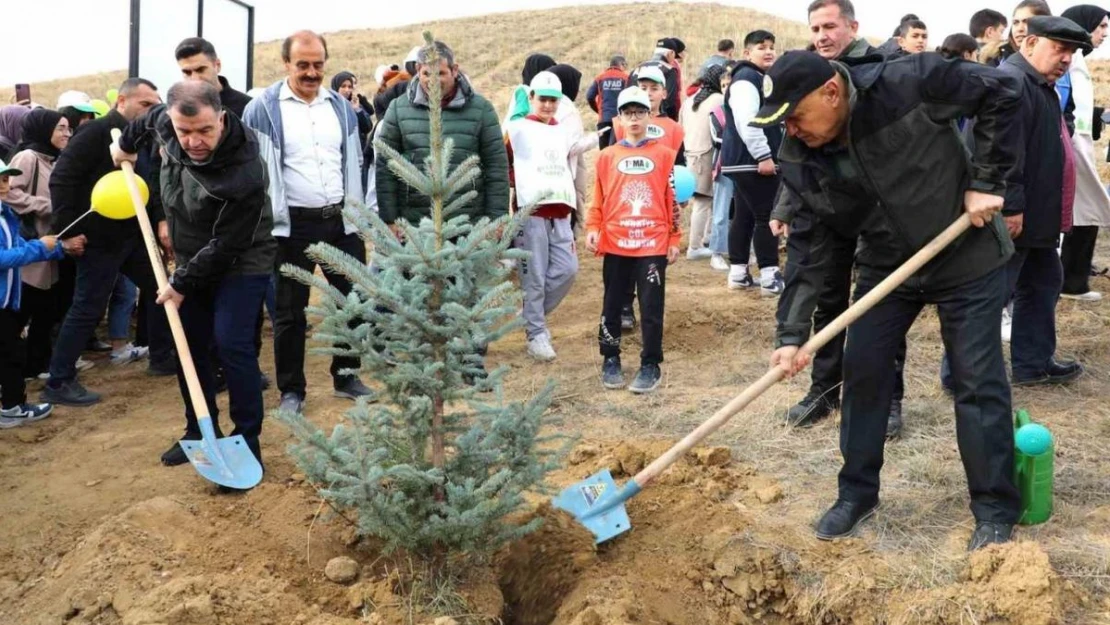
point(1038, 204)
point(844, 158)
point(214, 185)
point(834, 29)
point(668, 55)
point(198, 61)
point(113, 247)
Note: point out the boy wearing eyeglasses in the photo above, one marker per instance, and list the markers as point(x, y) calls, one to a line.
point(633, 224)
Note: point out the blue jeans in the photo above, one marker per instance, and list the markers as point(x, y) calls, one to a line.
point(723, 192)
point(120, 306)
point(224, 315)
point(97, 270)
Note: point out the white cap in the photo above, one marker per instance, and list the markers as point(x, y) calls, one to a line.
point(78, 100)
point(379, 73)
point(652, 73)
point(546, 84)
point(633, 95)
point(414, 55)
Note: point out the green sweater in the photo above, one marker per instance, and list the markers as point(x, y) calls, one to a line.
point(470, 121)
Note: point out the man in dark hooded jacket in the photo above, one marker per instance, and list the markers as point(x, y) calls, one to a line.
point(214, 193)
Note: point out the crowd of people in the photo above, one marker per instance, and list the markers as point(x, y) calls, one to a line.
point(851, 156)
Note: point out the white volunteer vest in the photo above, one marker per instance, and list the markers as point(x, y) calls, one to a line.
point(541, 163)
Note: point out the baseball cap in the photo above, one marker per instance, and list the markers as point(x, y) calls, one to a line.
point(633, 95)
point(650, 72)
point(7, 170)
point(794, 76)
point(78, 100)
point(414, 55)
point(1060, 29)
point(546, 84)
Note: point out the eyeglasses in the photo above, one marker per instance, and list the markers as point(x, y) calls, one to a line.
point(636, 114)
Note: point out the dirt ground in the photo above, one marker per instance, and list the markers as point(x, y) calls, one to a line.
point(96, 531)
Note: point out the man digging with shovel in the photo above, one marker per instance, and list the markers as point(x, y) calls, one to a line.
point(849, 128)
point(214, 191)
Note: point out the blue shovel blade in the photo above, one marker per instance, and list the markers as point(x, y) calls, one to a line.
point(230, 463)
point(598, 503)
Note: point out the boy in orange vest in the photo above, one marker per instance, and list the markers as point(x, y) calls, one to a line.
point(633, 224)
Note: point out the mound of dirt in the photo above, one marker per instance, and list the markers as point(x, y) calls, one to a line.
point(711, 544)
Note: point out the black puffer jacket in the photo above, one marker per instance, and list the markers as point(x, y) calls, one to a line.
point(219, 213)
point(901, 179)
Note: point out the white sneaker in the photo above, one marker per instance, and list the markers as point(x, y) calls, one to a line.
point(129, 354)
point(699, 253)
point(1089, 296)
point(1007, 324)
point(718, 263)
point(540, 348)
point(84, 365)
point(739, 278)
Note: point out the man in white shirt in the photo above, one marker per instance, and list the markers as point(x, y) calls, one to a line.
point(309, 136)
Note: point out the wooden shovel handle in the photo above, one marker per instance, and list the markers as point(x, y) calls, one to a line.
point(838, 325)
point(196, 393)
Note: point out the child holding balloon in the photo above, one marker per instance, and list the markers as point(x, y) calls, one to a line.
point(15, 252)
point(633, 224)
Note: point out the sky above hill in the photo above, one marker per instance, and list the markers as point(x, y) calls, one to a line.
point(59, 38)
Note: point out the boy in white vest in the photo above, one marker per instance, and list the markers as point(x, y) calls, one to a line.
point(540, 157)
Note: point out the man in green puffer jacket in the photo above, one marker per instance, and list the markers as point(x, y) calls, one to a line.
point(468, 119)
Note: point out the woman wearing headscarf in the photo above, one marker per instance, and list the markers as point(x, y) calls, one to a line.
point(345, 84)
point(534, 64)
point(11, 130)
point(45, 133)
point(695, 117)
point(1092, 204)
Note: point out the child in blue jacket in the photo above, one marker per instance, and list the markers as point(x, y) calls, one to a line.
point(15, 252)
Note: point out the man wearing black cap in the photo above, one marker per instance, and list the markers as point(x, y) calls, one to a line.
point(848, 130)
point(1039, 200)
point(668, 56)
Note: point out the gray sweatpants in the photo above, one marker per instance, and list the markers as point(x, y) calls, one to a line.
point(547, 275)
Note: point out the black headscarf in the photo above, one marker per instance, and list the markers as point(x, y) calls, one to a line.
point(534, 64)
point(710, 84)
point(38, 129)
point(338, 80)
point(1088, 16)
point(570, 78)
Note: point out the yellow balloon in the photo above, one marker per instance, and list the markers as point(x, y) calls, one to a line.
point(112, 95)
point(111, 198)
point(101, 107)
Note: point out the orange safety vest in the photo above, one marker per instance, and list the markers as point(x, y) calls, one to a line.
point(663, 129)
point(634, 207)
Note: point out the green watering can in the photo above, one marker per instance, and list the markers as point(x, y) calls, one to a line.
point(1033, 463)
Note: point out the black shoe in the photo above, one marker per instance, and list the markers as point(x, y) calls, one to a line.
point(816, 405)
point(843, 518)
point(1055, 373)
point(174, 456)
point(350, 387)
point(97, 346)
point(628, 318)
point(987, 533)
point(647, 380)
point(612, 376)
point(265, 382)
point(894, 421)
point(69, 393)
point(162, 369)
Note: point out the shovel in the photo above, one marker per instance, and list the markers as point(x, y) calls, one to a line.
point(225, 461)
point(598, 503)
